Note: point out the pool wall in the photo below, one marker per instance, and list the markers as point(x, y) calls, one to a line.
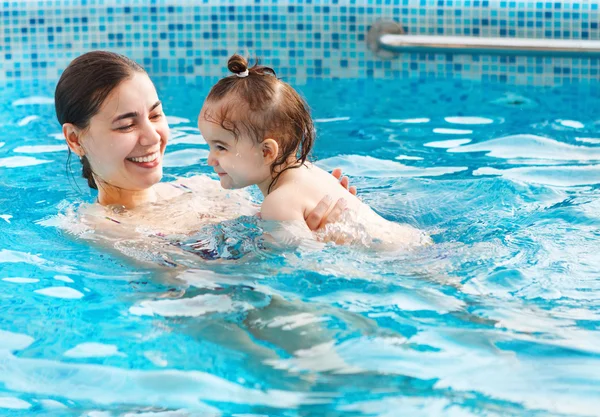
point(300, 39)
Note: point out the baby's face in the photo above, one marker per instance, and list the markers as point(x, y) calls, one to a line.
point(239, 163)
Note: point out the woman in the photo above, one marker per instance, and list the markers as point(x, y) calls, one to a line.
point(113, 120)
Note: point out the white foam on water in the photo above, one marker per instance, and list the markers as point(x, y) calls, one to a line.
point(21, 280)
point(410, 121)
point(445, 131)
point(424, 300)
point(409, 158)
point(58, 136)
point(93, 350)
point(13, 256)
point(571, 123)
point(21, 161)
point(212, 280)
point(96, 413)
point(106, 385)
point(174, 120)
point(185, 158)
point(291, 322)
point(189, 307)
point(41, 148)
point(367, 166)
point(33, 100)
point(13, 403)
point(249, 415)
point(52, 404)
point(14, 341)
point(522, 162)
point(26, 120)
point(60, 292)
point(6, 217)
point(2, 144)
point(332, 119)
point(469, 120)
point(176, 413)
point(447, 144)
point(157, 358)
point(595, 141)
point(531, 147)
point(63, 278)
point(319, 358)
point(413, 407)
point(188, 139)
point(560, 176)
point(187, 129)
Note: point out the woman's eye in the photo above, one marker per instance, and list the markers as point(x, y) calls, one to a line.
point(156, 116)
point(124, 128)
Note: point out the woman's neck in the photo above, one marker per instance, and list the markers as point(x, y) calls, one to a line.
point(110, 195)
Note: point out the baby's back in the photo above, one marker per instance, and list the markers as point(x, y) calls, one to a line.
point(311, 184)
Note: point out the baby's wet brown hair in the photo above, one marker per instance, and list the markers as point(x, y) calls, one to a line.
point(260, 105)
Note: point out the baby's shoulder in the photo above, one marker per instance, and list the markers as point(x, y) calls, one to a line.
point(282, 204)
point(286, 195)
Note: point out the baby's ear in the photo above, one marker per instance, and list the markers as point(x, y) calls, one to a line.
point(72, 136)
point(270, 150)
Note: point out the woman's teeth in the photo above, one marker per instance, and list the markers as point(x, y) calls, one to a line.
point(147, 158)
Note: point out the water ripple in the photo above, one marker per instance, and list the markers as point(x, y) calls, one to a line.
point(531, 147)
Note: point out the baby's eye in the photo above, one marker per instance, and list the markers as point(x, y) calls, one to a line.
point(221, 148)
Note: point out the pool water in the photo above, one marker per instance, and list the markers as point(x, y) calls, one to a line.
point(500, 317)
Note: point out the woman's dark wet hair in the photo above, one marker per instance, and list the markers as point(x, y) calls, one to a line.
point(262, 106)
point(83, 87)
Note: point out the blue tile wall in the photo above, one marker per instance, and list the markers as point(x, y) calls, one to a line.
point(299, 38)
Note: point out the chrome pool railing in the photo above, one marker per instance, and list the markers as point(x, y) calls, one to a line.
point(387, 40)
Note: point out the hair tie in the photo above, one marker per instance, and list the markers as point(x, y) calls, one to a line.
point(243, 74)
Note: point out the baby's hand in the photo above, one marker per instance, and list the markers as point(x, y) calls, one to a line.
point(344, 181)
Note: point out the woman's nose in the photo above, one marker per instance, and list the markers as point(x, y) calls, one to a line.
point(150, 134)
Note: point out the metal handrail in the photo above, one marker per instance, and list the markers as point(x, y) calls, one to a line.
point(504, 46)
point(387, 39)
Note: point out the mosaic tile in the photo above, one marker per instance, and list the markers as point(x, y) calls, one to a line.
point(299, 38)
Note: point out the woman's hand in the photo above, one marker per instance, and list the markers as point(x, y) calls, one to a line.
point(321, 214)
point(344, 181)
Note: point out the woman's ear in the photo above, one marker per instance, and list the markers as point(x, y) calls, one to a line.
point(72, 135)
point(270, 150)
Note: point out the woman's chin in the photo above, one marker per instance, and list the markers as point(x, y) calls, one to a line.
point(149, 180)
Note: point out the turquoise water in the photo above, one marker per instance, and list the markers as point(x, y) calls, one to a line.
point(499, 318)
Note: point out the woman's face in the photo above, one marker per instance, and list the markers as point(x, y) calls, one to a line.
point(125, 141)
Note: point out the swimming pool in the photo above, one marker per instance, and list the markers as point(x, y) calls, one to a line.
point(500, 317)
